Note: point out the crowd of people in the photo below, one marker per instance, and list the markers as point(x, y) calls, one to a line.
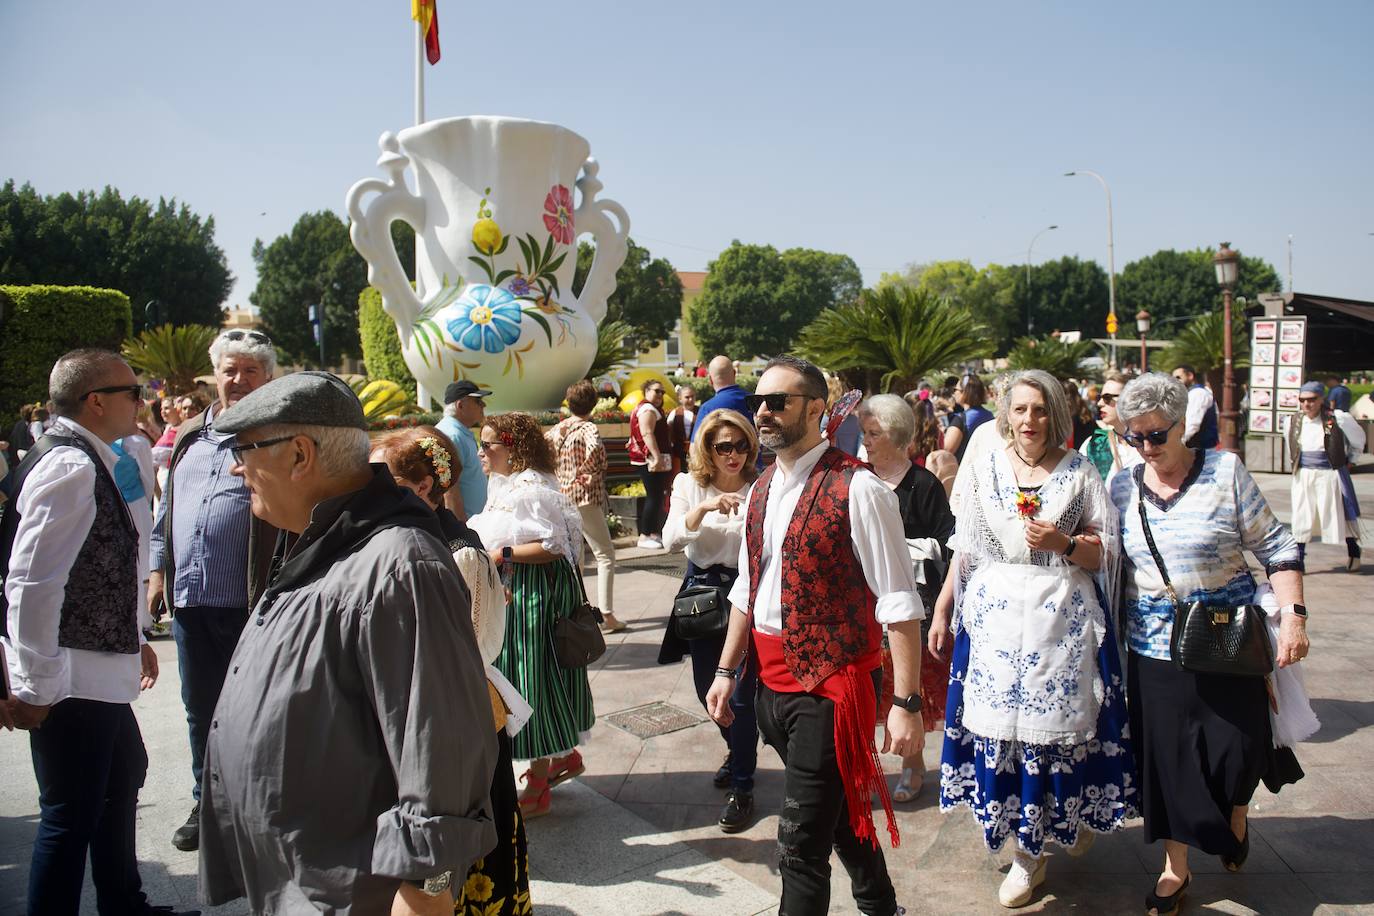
point(1017, 564)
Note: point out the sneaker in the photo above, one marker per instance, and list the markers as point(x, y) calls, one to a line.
point(187, 836)
point(645, 542)
point(1352, 564)
point(722, 778)
point(1025, 875)
point(739, 806)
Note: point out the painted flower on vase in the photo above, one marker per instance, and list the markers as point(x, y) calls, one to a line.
point(488, 319)
point(519, 286)
point(558, 216)
point(486, 235)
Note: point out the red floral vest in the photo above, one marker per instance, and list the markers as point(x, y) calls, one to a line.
point(827, 607)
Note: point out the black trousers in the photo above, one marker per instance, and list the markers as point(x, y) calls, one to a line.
point(89, 760)
point(654, 511)
point(815, 817)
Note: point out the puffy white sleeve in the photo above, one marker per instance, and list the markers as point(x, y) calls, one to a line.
point(875, 522)
point(686, 494)
point(1354, 433)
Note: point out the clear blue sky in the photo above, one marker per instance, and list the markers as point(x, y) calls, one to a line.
point(892, 132)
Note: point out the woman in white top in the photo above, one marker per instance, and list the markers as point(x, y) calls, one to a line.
point(706, 522)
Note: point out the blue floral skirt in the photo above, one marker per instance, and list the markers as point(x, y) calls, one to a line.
point(1041, 792)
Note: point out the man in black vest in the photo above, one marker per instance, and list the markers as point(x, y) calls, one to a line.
point(76, 656)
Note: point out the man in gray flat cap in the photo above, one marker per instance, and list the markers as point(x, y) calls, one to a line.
point(343, 773)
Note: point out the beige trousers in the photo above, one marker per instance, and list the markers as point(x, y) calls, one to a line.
point(598, 537)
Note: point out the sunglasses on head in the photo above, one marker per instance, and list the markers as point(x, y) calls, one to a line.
point(134, 391)
point(256, 336)
point(776, 402)
point(1154, 437)
point(725, 447)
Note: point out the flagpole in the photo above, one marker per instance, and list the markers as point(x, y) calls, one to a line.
point(419, 72)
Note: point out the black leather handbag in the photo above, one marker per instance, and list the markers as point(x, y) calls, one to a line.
point(701, 612)
point(577, 639)
point(1211, 638)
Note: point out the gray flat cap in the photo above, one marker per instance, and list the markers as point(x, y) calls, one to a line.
point(311, 398)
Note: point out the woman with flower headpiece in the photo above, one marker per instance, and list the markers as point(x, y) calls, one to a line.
point(424, 460)
point(534, 533)
point(1036, 740)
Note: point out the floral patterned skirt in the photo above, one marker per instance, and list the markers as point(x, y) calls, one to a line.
point(498, 884)
point(1041, 792)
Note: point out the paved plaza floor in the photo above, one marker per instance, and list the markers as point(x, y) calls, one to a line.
point(636, 833)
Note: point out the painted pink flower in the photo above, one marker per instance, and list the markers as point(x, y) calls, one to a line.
point(558, 216)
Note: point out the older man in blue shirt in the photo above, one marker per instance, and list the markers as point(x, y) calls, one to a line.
point(210, 556)
point(465, 408)
point(728, 396)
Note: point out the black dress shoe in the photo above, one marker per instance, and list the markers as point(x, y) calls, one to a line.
point(187, 837)
point(1234, 865)
point(1156, 905)
point(739, 806)
point(722, 778)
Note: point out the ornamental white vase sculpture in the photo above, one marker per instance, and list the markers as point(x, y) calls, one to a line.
point(496, 246)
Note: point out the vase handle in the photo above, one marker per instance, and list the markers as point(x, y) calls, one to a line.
point(611, 240)
point(371, 232)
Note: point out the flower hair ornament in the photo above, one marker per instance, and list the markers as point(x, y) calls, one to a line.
point(439, 457)
point(506, 438)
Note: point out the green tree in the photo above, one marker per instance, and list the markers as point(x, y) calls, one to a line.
point(176, 355)
point(1180, 285)
point(380, 342)
point(755, 300)
point(1062, 360)
point(1069, 294)
point(1201, 345)
point(890, 338)
point(147, 251)
point(316, 264)
point(992, 294)
point(648, 291)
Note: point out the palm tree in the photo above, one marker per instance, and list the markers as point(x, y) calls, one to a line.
point(614, 347)
point(174, 354)
point(1059, 359)
point(1200, 345)
point(888, 339)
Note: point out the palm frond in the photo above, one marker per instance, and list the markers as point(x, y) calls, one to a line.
point(1200, 345)
point(1062, 360)
point(613, 347)
point(176, 355)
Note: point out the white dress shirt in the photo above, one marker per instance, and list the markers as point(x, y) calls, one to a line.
point(1312, 433)
point(1200, 400)
point(717, 539)
point(56, 511)
point(875, 528)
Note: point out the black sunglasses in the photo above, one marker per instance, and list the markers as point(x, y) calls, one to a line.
point(251, 335)
point(723, 448)
point(1154, 437)
point(776, 402)
point(1107, 398)
point(135, 391)
point(238, 448)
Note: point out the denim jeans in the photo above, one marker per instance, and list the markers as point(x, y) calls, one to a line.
point(742, 737)
point(89, 761)
point(205, 637)
point(815, 818)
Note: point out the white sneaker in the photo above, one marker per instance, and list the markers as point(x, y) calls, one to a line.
point(653, 543)
point(645, 542)
point(1025, 876)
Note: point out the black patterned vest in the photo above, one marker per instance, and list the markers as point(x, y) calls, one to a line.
point(100, 605)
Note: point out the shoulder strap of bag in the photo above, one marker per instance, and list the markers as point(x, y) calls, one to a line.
point(1139, 475)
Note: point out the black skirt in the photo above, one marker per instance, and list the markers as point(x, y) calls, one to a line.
point(1203, 744)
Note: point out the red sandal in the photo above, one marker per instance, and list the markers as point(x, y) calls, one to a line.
point(561, 769)
point(535, 797)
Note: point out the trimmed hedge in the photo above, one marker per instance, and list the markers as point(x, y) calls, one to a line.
point(40, 323)
point(381, 344)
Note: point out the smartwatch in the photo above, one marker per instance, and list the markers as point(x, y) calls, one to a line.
point(910, 704)
point(1296, 609)
point(434, 885)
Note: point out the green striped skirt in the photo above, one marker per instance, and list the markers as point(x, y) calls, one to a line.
point(562, 700)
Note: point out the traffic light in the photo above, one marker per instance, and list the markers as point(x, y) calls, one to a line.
point(1111, 322)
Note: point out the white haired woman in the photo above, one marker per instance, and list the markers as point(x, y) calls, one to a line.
point(1203, 741)
point(1036, 742)
point(888, 424)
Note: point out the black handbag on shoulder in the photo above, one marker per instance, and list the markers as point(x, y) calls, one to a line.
point(577, 639)
point(1211, 638)
point(701, 612)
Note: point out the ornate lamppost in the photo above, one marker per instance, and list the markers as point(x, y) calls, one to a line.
point(1228, 268)
point(1142, 324)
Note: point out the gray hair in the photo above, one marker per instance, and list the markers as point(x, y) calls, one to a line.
point(451, 409)
point(248, 346)
point(893, 414)
point(343, 449)
point(1150, 392)
point(1056, 404)
point(75, 373)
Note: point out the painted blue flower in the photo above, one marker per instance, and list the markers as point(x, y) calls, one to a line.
point(488, 319)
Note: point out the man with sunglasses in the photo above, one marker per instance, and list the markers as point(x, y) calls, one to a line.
point(1200, 429)
point(210, 556)
point(1321, 443)
point(69, 551)
point(823, 565)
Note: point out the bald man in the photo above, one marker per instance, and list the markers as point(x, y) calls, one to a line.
point(728, 395)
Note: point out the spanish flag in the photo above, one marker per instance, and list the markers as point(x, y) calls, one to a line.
point(425, 13)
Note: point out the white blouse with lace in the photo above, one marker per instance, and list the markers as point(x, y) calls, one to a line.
point(526, 508)
point(718, 537)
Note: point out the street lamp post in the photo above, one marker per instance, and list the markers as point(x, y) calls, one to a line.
point(1142, 324)
point(1228, 267)
point(1111, 257)
point(1030, 323)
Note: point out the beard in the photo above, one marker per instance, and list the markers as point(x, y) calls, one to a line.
point(779, 436)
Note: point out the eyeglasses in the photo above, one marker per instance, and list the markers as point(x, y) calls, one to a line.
point(486, 445)
point(238, 448)
point(257, 336)
point(776, 402)
point(724, 448)
point(135, 391)
point(1154, 437)
point(1107, 398)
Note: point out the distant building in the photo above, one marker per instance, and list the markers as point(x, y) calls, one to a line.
point(679, 347)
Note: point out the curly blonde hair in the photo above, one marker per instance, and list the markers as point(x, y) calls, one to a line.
point(523, 436)
point(699, 463)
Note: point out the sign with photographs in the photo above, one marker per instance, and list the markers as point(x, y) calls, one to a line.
point(1278, 358)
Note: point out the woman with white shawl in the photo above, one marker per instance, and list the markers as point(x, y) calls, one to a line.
point(1036, 735)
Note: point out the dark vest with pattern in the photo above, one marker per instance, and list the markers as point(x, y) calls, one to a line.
point(1333, 441)
point(827, 607)
point(100, 605)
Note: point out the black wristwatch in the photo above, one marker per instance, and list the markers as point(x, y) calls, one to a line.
point(910, 704)
point(435, 885)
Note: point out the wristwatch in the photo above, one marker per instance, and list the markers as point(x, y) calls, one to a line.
point(436, 884)
point(506, 554)
point(910, 704)
point(1297, 609)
